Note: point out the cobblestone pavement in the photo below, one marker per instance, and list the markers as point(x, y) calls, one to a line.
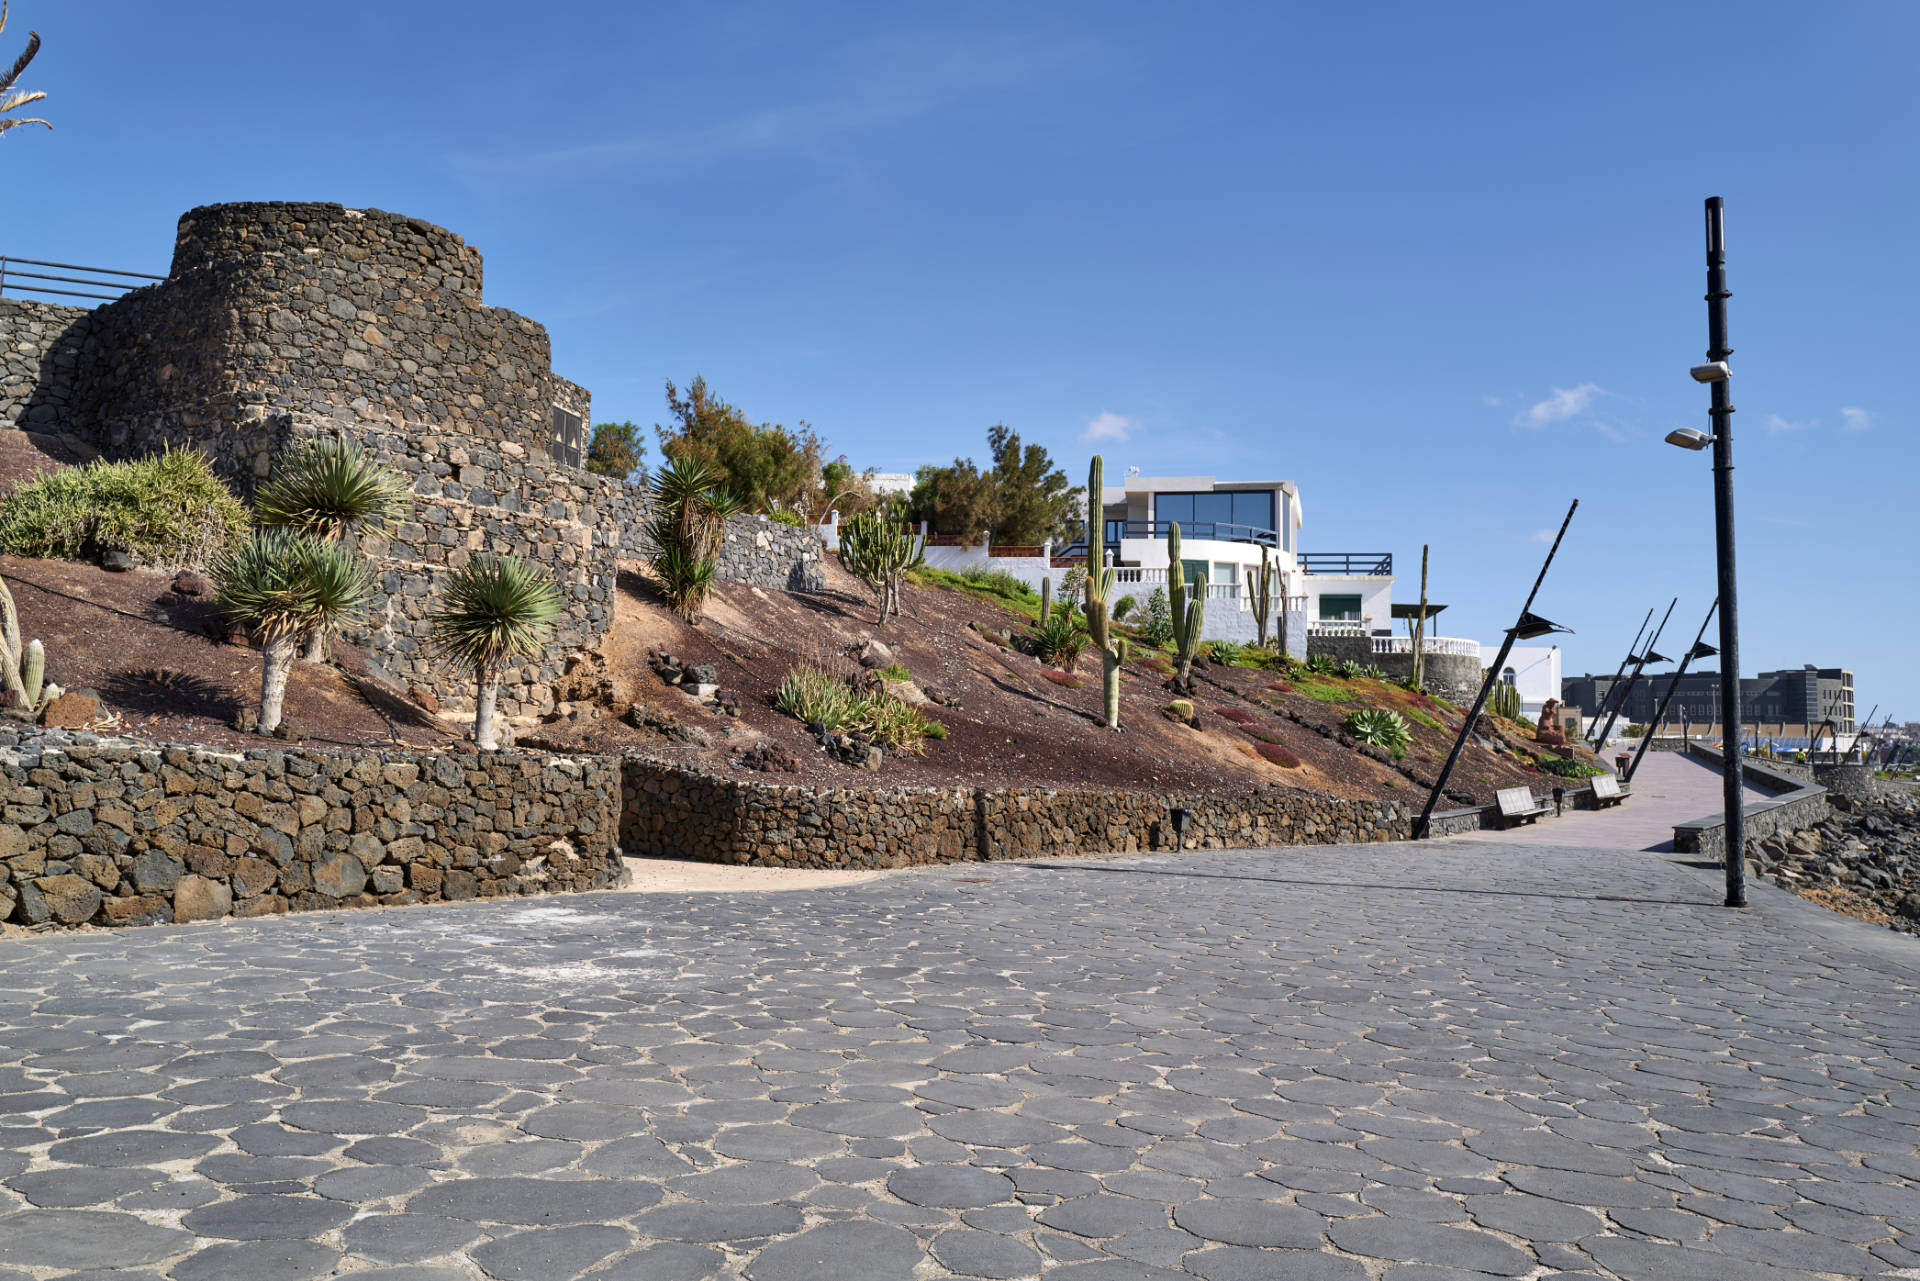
point(1668, 789)
point(1423, 1063)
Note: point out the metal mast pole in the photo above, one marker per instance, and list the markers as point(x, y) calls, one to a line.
point(1698, 651)
point(1493, 674)
point(1614, 690)
point(1722, 417)
point(1639, 664)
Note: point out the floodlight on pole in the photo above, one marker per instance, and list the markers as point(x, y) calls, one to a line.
point(1689, 438)
point(1714, 371)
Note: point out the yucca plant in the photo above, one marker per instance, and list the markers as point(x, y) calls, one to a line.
point(10, 97)
point(333, 491)
point(1061, 639)
point(495, 609)
point(689, 521)
point(283, 584)
point(1380, 727)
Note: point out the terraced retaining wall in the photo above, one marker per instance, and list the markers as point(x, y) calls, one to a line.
point(680, 813)
point(122, 833)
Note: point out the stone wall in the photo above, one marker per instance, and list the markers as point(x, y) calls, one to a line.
point(1795, 807)
point(126, 833)
point(1454, 677)
point(40, 346)
point(675, 812)
point(284, 322)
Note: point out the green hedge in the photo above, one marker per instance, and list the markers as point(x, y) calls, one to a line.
point(166, 510)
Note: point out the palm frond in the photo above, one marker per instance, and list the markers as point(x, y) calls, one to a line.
point(329, 488)
point(495, 608)
point(20, 63)
point(283, 582)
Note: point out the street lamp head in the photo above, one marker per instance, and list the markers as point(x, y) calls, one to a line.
point(1714, 371)
point(1689, 438)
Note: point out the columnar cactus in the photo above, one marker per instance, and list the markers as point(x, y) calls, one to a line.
point(876, 550)
point(1113, 649)
point(23, 668)
point(1046, 599)
point(1189, 606)
point(1260, 595)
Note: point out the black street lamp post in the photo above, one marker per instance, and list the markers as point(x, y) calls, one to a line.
point(1716, 374)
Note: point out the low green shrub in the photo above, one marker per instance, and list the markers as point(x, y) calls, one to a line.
point(1379, 727)
point(1156, 626)
point(997, 581)
point(1569, 769)
point(893, 672)
point(1419, 717)
point(786, 516)
point(1122, 607)
point(895, 725)
point(1321, 692)
point(168, 510)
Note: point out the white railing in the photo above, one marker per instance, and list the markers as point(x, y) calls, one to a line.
point(1339, 626)
point(1430, 645)
point(1124, 576)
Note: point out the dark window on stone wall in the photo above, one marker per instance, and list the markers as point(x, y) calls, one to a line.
point(568, 445)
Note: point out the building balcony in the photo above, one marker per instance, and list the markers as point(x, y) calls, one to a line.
point(1348, 564)
point(1201, 530)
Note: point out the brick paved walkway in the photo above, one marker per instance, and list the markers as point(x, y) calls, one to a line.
point(1668, 788)
point(1423, 1063)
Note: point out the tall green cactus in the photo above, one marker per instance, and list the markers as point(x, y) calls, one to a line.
point(1189, 606)
point(23, 668)
point(1260, 595)
point(1046, 599)
point(1113, 648)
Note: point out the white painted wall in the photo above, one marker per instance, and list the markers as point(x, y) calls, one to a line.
point(1536, 670)
point(1375, 593)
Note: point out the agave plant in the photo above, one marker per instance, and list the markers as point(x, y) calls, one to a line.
point(10, 97)
point(1379, 726)
point(283, 584)
point(1061, 639)
point(331, 490)
point(496, 608)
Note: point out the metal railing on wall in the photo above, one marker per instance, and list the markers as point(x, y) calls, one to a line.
point(96, 278)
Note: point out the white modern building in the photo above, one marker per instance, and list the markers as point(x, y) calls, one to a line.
point(1534, 670)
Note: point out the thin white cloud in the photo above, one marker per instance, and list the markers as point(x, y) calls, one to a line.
point(1856, 419)
point(1494, 401)
point(1105, 426)
point(1540, 536)
point(1565, 403)
point(1778, 426)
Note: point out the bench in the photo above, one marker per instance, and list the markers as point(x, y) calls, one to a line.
point(1518, 806)
point(1607, 791)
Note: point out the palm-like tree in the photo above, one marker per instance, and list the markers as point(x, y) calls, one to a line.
point(284, 584)
point(495, 608)
point(689, 521)
point(332, 491)
point(11, 97)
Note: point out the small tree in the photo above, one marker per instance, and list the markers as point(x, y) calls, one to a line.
point(877, 551)
point(10, 96)
point(284, 584)
point(496, 608)
point(334, 492)
point(616, 451)
point(689, 522)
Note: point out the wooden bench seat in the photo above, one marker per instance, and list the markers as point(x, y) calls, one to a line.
point(1607, 791)
point(1517, 805)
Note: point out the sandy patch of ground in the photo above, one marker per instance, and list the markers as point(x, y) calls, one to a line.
point(689, 876)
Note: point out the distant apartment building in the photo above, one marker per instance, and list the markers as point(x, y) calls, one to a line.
point(1796, 696)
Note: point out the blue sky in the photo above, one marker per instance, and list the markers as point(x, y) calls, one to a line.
point(1441, 266)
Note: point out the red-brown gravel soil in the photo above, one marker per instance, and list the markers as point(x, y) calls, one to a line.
point(155, 659)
